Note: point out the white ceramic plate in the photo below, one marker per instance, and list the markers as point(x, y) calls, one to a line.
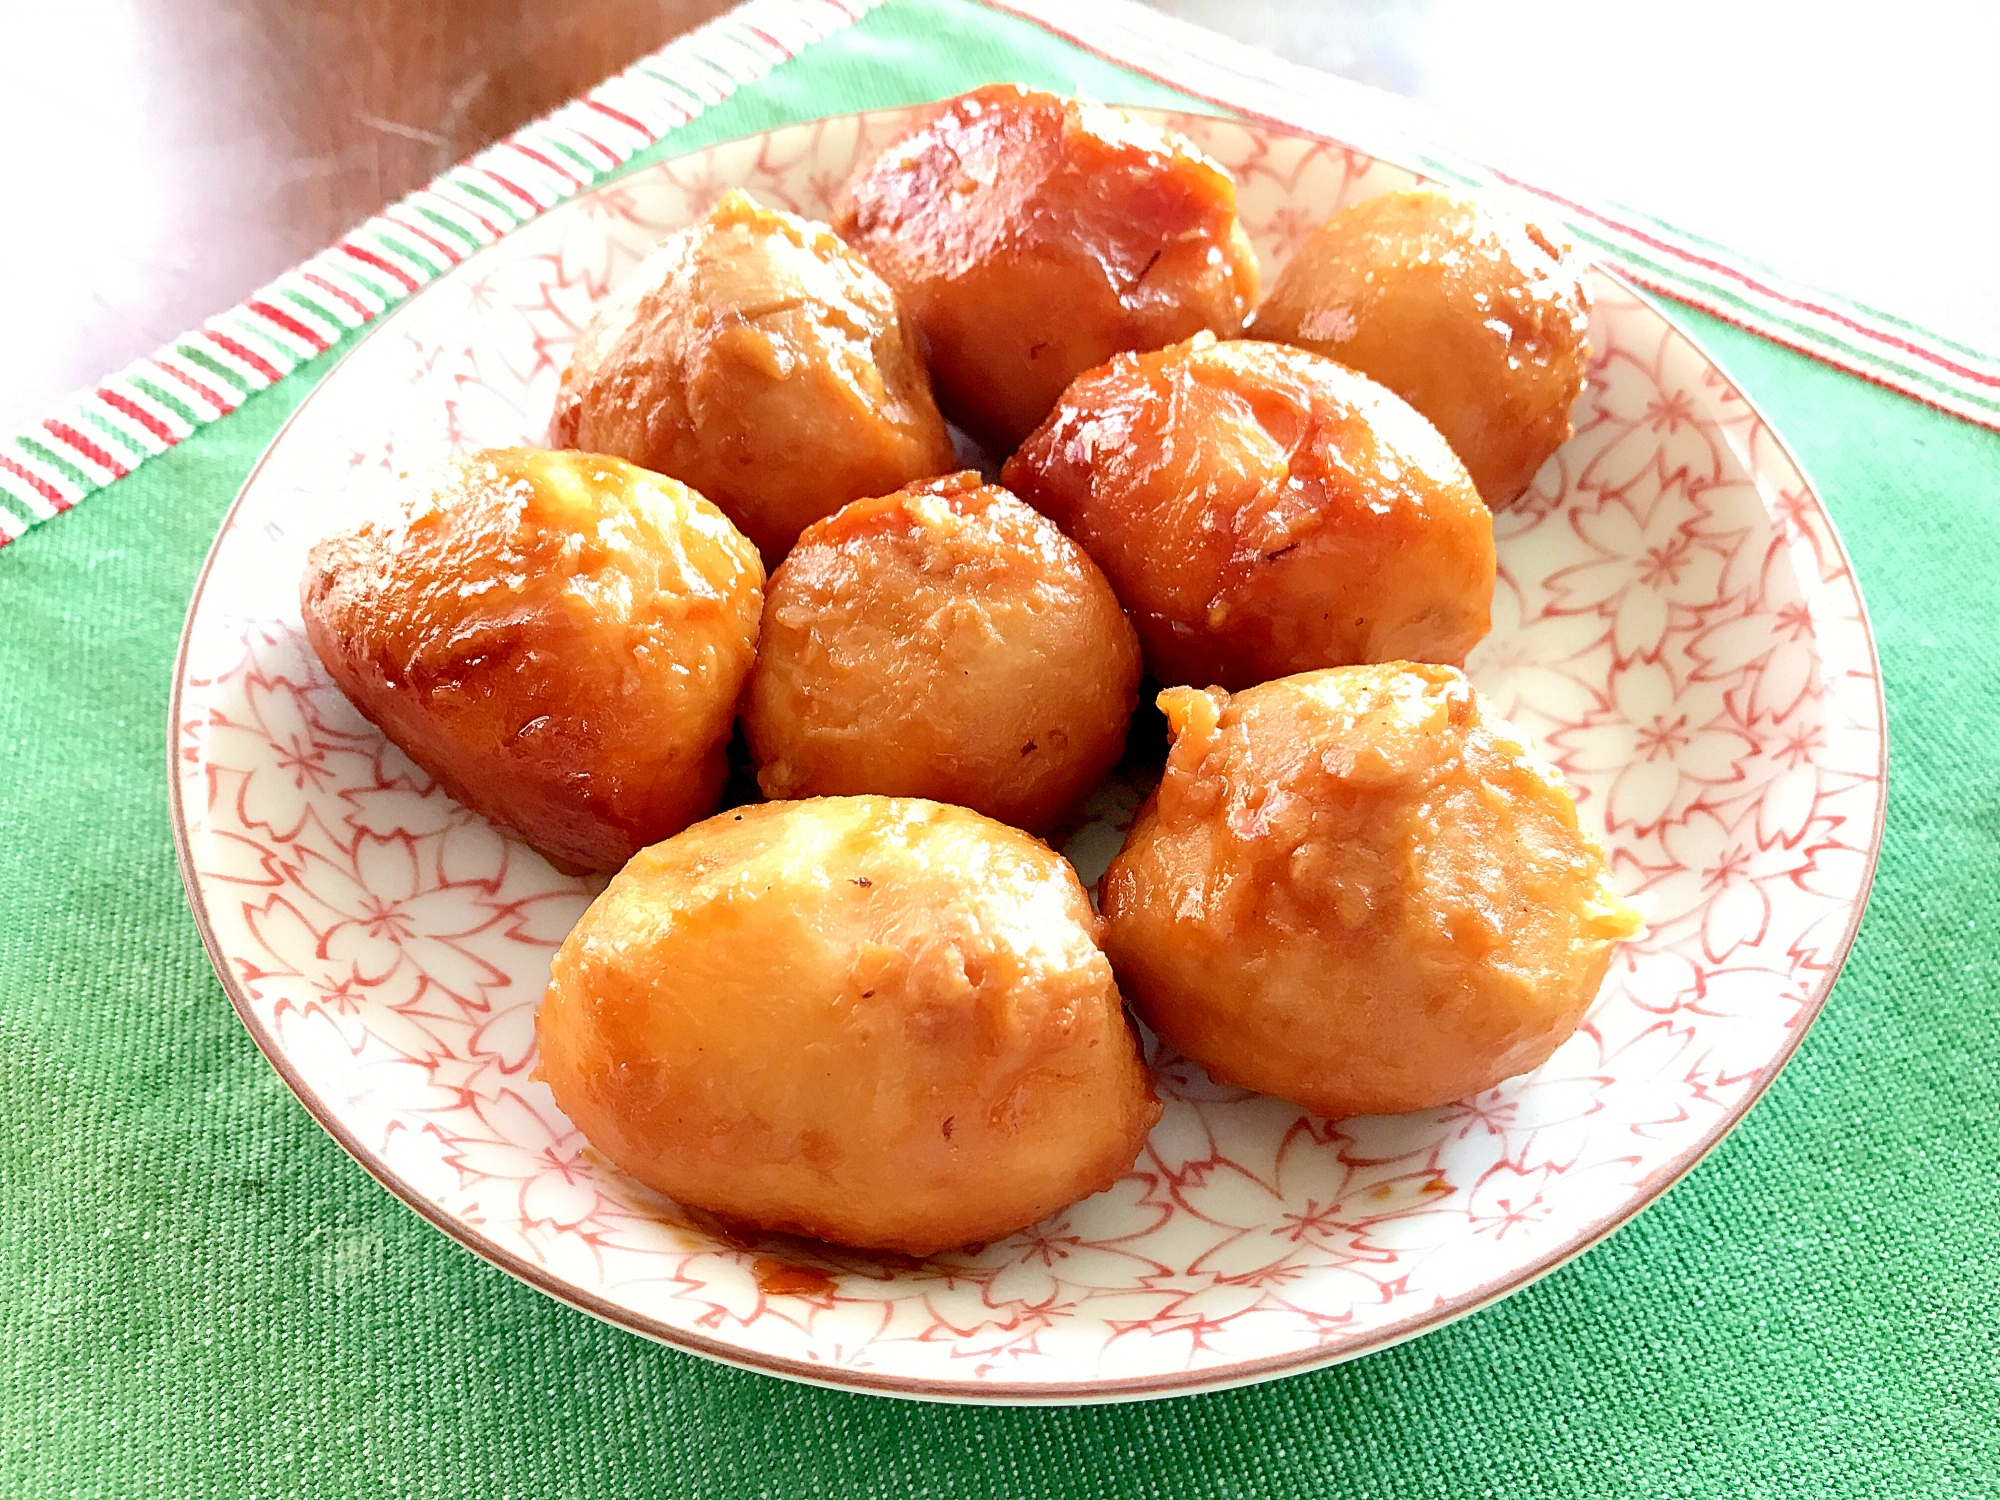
point(1676, 624)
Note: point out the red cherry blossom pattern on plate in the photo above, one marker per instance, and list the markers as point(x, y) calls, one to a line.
point(1676, 625)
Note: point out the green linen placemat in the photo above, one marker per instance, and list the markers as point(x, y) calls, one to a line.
point(206, 1298)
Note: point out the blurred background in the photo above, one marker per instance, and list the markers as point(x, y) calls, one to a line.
point(164, 158)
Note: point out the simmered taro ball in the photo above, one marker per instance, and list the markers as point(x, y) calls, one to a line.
point(877, 1021)
point(948, 642)
point(1359, 890)
point(559, 638)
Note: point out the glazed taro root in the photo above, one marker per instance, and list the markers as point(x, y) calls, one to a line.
point(948, 642)
point(1358, 890)
point(1032, 238)
point(880, 1022)
point(757, 358)
point(1262, 511)
point(1475, 317)
point(559, 638)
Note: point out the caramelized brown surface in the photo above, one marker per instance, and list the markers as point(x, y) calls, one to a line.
point(757, 358)
point(559, 638)
point(1475, 317)
point(1033, 237)
point(876, 1021)
point(1261, 511)
point(948, 642)
point(1359, 891)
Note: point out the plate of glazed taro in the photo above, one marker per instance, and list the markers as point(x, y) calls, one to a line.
point(1020, 752)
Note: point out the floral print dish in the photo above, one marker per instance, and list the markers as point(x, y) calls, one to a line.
point(1675, 625)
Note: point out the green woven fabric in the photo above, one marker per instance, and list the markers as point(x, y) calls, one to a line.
point(205, 1297)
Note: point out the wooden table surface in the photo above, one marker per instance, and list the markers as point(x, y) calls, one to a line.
point(166, 157)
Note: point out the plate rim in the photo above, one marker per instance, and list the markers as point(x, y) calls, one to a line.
point(974, 1392)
